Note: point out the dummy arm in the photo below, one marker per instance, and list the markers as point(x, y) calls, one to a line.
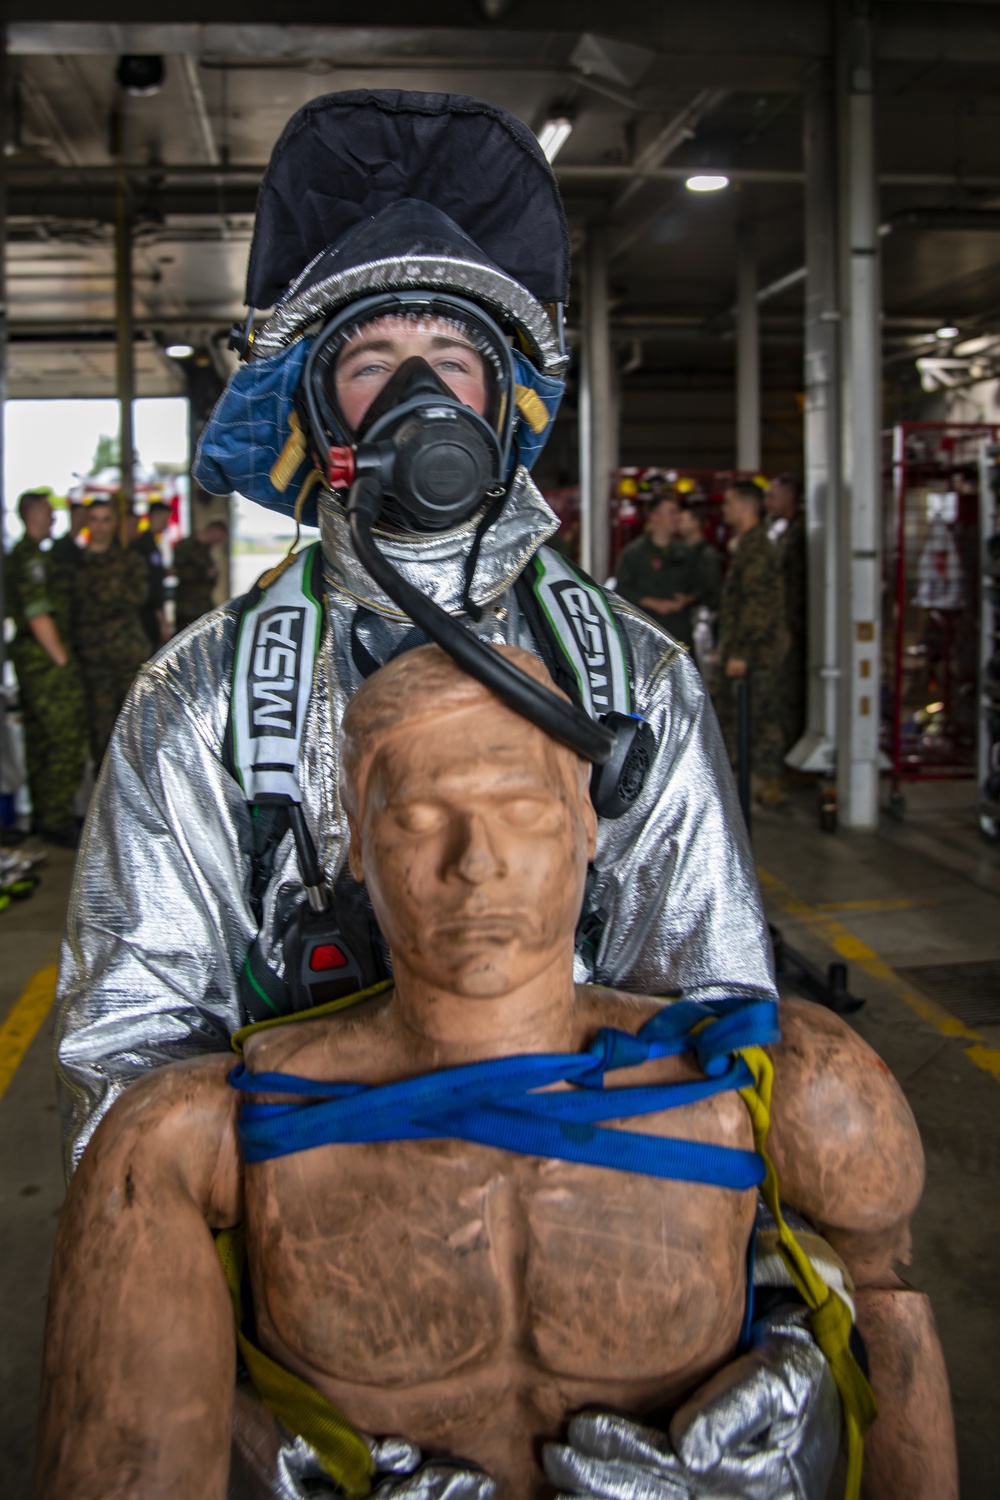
point(139, 1364)
point(848, 1156)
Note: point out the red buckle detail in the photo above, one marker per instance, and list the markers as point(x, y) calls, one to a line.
point(326, 956)
point(340, 468)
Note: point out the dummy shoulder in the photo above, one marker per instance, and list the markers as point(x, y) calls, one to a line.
point(179, 1117)
point(844, 1140)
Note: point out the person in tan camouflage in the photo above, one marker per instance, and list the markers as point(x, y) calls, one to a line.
point(196, 573)
point(37, 591)
point(751, 638)
point(783, 502)
point(110, 587)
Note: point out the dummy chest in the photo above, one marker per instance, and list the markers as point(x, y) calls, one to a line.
point(411, 1262)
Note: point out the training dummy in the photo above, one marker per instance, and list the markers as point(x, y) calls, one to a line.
point(469, 1297)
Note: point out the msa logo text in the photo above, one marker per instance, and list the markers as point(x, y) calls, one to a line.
point(590, 632)
point(274, 672)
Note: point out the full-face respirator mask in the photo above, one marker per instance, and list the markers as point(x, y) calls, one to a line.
point(434, 457)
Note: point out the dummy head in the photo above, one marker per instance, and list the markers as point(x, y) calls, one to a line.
point(471, 828)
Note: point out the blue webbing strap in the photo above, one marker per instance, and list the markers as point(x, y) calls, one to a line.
point(494, 1104)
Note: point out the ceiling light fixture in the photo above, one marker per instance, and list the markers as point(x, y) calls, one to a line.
point(706, 182)
point(179, 351)
point(946, 331)
point(554, 134)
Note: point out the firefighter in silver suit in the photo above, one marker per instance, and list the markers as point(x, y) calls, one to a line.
point(177, 923)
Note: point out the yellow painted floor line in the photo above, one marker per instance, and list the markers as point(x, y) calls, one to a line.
point(895, 903)
point(28, 1012)
point(844, 942)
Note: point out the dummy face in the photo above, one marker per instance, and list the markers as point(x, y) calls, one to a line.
point(475, 835)
point(370, 359)
point(101, 522)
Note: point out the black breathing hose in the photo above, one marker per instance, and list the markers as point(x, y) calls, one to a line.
point(564, 721)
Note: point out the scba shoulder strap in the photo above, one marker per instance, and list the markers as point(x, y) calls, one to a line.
point(328, 949)
point(276, 646)
point(577, 633)
point(585, 650)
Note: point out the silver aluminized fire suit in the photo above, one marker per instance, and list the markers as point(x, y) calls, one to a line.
point(160, 920)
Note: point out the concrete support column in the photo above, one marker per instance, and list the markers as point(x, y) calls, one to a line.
point(125, 330)
point(598, 431)
point(858, 723)
point(817, 748)
point(747, 351)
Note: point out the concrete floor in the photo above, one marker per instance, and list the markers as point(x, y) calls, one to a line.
point(924, 891)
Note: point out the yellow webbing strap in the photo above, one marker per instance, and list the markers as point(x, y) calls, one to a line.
point(342, 1450)
point(830, 1317)
point(310, 482)
point(238, 1038)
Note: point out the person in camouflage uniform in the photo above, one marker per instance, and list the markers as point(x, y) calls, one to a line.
point(751, 638)
point(109, 589)
point(147, 544)
point(656, 572)
point(37, 592)
point(67, 549)
point(783, 501)
point(196, 573)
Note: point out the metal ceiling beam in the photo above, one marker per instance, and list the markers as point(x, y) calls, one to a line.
point(189, 65)
point(54, 175)
point(681, 128)
point(947, 31)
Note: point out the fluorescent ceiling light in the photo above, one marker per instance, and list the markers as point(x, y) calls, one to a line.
point(706, 182)
point(179, 351)
point(553, 136)
point(946, 331)
point(977, 345)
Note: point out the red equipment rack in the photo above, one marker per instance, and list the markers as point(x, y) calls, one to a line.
point(931, 600)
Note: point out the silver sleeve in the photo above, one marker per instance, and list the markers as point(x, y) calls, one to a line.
point(158, 920)
point(675, 875)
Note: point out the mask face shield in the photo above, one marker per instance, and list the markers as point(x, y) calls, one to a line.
point(388, 374)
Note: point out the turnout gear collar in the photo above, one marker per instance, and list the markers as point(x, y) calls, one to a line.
point(436, 563)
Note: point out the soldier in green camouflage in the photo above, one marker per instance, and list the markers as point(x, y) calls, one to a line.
point(109, 589)
point(783, 503)
point(751, 638)
point(37, 592)
point(196, 573)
